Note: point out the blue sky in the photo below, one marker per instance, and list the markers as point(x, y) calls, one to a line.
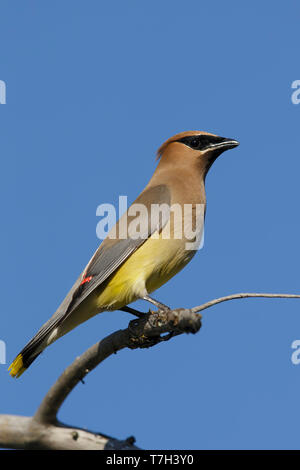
point(93, 89)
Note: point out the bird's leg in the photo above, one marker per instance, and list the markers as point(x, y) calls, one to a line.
point(157, 304)
point(133, 311)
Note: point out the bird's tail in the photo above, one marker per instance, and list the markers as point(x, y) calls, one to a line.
point(47, 334)
point(24, 359)
point(33, 348)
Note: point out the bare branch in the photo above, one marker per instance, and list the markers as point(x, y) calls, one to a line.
point(23, 432)
point(141, 333)
point(211, 303)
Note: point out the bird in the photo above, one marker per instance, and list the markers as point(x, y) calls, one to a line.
point(127, 268)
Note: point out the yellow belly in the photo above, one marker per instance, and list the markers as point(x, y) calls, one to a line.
point(151, 266)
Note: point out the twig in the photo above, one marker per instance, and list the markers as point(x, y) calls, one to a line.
point(211, 303)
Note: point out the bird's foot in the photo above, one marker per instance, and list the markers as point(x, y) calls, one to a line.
point(159, 305)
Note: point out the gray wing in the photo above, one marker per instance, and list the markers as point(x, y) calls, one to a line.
point(113, 252)
point(108, 258)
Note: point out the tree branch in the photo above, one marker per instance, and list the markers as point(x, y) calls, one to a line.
point(141, 333)
point(23, 432)
point(44, 431)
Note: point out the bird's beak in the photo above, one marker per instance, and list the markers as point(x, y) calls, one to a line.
point(224, 144)
point(216, 147)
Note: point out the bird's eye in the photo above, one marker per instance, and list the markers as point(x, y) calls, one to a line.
point(199, 142)
point(194, 143)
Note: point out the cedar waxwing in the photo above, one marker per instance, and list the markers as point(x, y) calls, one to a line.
point(127, 268)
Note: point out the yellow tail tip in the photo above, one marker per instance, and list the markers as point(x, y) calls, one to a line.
point(17, 367)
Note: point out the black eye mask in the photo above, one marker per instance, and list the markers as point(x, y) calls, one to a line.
point(202, 142)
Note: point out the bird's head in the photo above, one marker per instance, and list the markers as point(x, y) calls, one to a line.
point(199, 147)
